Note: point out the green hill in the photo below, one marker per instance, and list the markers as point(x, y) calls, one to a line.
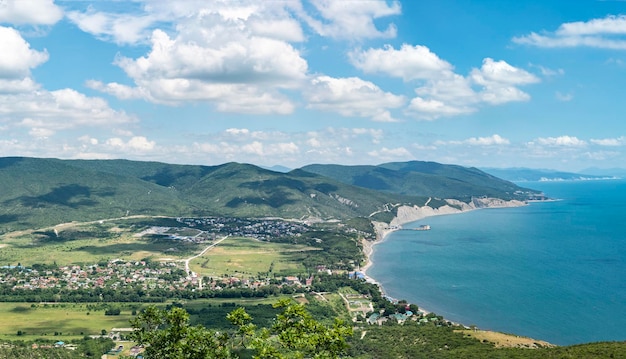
point(43, 192)
point(425, 179)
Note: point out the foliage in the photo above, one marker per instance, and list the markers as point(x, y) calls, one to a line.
point(294, 334)
point(412, 340)
point(426, 179)
point(43, 192)
point(167, 334)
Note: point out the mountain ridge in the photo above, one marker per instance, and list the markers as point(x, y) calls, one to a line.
point(41, 192)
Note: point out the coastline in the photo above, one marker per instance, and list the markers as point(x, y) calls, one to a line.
point(407, 214)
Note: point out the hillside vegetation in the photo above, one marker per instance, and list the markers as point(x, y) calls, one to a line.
point(425, 179)
point(44, 192)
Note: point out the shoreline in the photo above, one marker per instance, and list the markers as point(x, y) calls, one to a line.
point(408, 214)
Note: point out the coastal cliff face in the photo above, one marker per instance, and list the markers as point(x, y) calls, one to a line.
point(406, 214)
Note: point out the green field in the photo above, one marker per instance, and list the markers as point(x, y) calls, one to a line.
point(74, 321)
point(68, 321)
point(87, 244)
point(246, 257)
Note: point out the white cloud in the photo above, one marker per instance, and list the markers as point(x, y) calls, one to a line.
point(611, 142)
point(137, 143)
point(488, 141)
point(24, 104)
point(561, 141)
point(118, 28)
point(237, 131)
point(409, 63)
point(429, 109)
point(352, 97)
point(120, 91)
point(391, 153)
point(17, 57)
point(256, 149)
point(493, 140)
point(58, 110)
point(350, 20)
point(216, 60)
point(441, 92)
point(499, 80)
point(40, 133)
point(607, 33)
point(30, 12)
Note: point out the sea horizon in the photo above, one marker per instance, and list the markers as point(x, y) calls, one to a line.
point(549, 270)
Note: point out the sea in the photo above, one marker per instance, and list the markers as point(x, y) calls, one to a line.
point(553, 271)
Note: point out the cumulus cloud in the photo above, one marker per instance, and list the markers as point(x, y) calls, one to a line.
point(216, 57)
point(30, 12)
point(493, 140)
point(606, 33)
point(488, 141)
point(409, 62)
point(58, 110)
point(561, 141)
point(344, 20)
point(118, 28)
point(352, 97)
point(391, 153)
point(440, 91)
point(17, 57)
point(610, 142)
point(137, 143)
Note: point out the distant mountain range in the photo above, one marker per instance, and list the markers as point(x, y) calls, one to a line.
point(40, 192)
point(529, 175)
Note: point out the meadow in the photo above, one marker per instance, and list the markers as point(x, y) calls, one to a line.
point(89, 243)
point(64, 321)
point(247, 257)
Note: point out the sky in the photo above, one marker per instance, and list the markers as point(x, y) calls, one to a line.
point(489, 83)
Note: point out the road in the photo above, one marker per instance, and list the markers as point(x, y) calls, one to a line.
point(188, 271)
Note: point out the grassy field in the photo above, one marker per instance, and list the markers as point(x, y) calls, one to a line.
point(68, 321)
point(72, 321)
point(245, 257)
point(88, 244)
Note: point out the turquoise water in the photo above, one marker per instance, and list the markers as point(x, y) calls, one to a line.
point(554, 271)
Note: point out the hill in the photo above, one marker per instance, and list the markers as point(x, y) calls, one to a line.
point(425, 179)
point(42, 192)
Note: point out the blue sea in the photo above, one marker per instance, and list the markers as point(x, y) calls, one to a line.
point(554, 271)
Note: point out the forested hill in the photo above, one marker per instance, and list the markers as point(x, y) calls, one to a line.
point(425, 179)
point(41, 192)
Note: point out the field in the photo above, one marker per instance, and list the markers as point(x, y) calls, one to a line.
point(73, 321)
point(89, 243)
point(245, 257)
point(67, 320)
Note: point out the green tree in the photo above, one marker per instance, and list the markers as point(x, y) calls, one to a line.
point(242, 320)
point(299, 335)
point(167, 334)
point(295, 334)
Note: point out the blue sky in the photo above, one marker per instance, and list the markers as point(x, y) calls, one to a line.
point(292, 82)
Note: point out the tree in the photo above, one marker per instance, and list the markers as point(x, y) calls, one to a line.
point(301, 336)
point(242, 320)
point(295, 334)
point(167, 334)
